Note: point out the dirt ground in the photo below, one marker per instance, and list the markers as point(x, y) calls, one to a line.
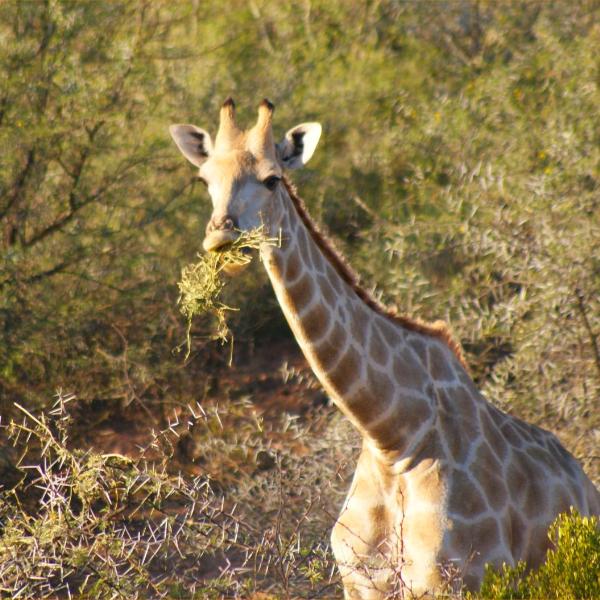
point(276, 380)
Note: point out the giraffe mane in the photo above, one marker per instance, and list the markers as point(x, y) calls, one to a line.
point(437, 329)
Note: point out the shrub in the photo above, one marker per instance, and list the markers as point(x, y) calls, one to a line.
point(571, 569)
point(251, 518)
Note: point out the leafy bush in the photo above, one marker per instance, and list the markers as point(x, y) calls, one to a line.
point(571, 568)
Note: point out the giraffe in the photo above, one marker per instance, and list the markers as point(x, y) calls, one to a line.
point(444, 479)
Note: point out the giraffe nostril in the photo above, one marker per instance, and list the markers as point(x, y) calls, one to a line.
point(220, 232)
point(225, 223)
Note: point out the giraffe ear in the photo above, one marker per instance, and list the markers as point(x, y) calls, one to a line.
point(195, 143)
point(299, 145)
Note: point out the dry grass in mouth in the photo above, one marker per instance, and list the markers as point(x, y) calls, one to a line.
point(202, 283)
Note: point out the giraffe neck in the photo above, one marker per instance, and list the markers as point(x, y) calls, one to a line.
point(373, 368)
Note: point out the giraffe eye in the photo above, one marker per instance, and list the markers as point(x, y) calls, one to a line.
point(271, 182)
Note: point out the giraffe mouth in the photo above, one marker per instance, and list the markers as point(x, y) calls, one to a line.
point(234, 269)
point(219, 240)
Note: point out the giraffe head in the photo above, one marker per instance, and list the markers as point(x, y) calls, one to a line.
point(243, 169)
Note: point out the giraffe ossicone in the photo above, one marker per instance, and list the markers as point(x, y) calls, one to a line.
point(444, 477)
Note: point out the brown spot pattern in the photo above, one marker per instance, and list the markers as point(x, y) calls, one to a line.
point(439, 366)
point(407, 371)
point(561, 500)
point(516, 480)
point(316, 321)
point(512, 436)
point(302, 243)
point(468, 383)
point(561, 455)
point(497, 416)
point(444, 400)
point(535, 499)
point(486, 535)
point(396, 432)
point(523, 428)
point(293, 268)
point(416, 413)
point(327, 291)
point(329, 349)
point(343, 314)
point(577, 491)
point(538, 435)
point(481, 536)
point(460, 428)
point(457, 442)
point(537, 545)
point(465, 499)
point(487, 458)
point(492, 434)
point(360, 322)
point(544, 458)
point(420, 350)
point(316, 257)
point(388, 331)
point(377, 349)
point(429, 450)
point(462, 403)
point(302, 292)
point(334, 279)
point(364, 405)
point(346, 371)
point(488, 472)
point(379, 384)
point(518, 532)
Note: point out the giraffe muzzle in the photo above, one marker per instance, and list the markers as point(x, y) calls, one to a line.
point(220, 232)
point(219, 240)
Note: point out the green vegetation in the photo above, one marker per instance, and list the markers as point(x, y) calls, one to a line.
point(571, 569)
point(202, 283)
point(98, 525)
point(459, 171)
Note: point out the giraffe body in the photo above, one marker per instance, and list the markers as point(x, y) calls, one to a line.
point(445, 481)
